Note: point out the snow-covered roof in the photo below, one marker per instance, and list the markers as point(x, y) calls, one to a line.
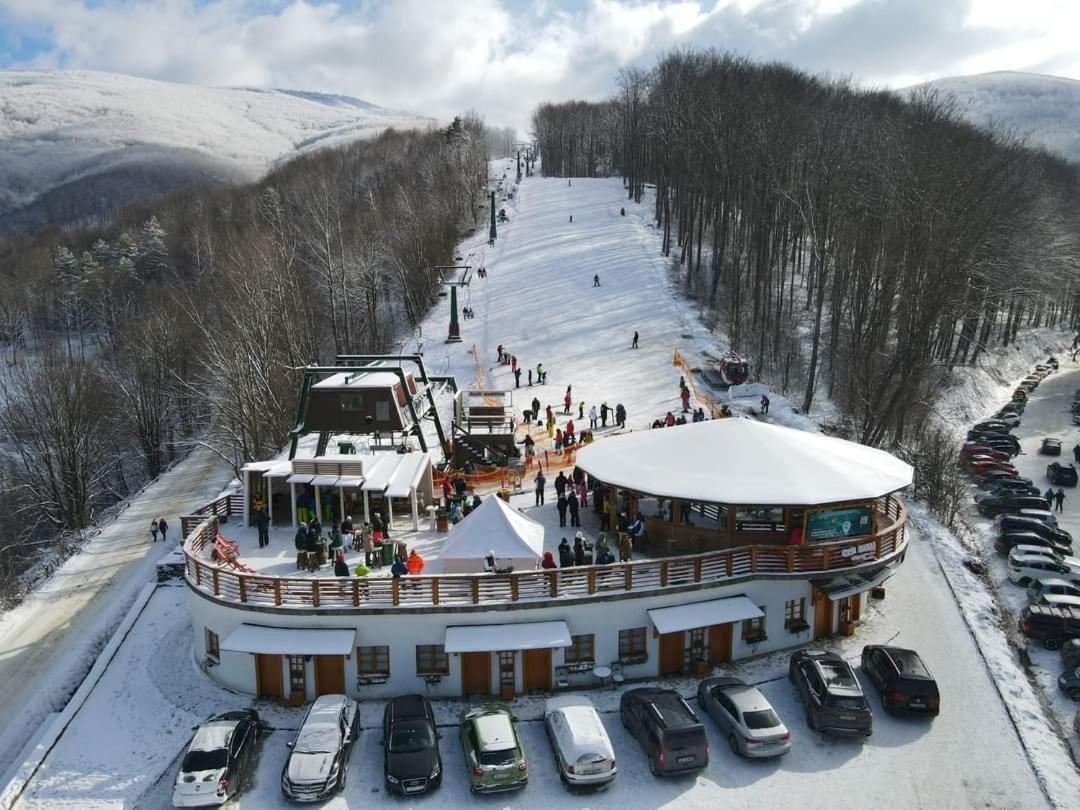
point(280, 469)
point(368, 379)
point(703, 614)
point(497, 527)
point(212, 736)
point(256, 638)
point(324, 481)
point(257, 466)
point(497, 637)
point(837, 588)
point(743, 461)
point(406, 474)
point(378, 476)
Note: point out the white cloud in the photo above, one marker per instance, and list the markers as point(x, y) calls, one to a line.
point(502, 57)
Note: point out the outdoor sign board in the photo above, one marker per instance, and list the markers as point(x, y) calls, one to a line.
point(831, 523)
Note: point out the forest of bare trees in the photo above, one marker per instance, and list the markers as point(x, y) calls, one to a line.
point(852, 243)
point(185, 325)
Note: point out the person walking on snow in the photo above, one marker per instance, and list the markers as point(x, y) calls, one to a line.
point(540, 482)
point(154, 530)
point(560, 505)
point(684, 394)
point(1049, 497)
point(1059, 500)
point(566, 555)
point(1076, 454)
point(592, 418)
point(581, 410)
point(262, 523)
point(530, 378)
point(604, 413)
point(596, 280)
point(764, 405)
point(536, 411)
point(541, 377)
point(517, 378)
point(500, 351)
point(567, 402)
point(558, 440)
point(569, 431)
point(620, 415)
point(634, 345)
point(163, 527)
point(573, 503)
point(513, 364)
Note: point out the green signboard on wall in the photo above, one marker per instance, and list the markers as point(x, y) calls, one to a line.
point(830, 523)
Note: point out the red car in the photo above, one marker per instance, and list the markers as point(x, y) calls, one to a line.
point(973, 449)
point(978, 465)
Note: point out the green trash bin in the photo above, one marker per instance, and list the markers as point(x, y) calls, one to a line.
point(387, 552)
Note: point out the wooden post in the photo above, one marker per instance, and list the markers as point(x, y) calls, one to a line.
point(216, 588)
point(791, 559)
point(356, 592)
point(243, 588)
point(753, 559)
point(435, 590)
point(395, 592)
point(663, 574)
point(513, 588)
point(730, 564)
point(474, 585)
point(198, 571)
point(553, 583)
point(277, 591)
point(592, 580)
point(825, 559)
point(315, 592)
point(697, 569)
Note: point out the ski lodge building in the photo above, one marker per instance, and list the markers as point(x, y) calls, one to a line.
point(758, 538)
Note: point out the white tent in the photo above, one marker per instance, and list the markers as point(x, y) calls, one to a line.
point(742, 461)
point(498, 527)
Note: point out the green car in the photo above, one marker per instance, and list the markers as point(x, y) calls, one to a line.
point(493, 752)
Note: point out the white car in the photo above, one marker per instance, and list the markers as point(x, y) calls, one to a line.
point(319, 758)
point(1024, 569)
point(1058, 600)
point(579, 741)
point(745, 715)
point(219, 761)
point(1051, 586)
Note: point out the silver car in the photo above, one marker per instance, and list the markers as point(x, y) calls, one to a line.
point(752, 727)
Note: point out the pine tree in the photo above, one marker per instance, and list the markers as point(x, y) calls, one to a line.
point(153, 255)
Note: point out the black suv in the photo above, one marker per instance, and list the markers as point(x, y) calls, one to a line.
point(1053, 626)
point(831, 694)
point(1007, 524)
point(412, 763)
point(1010, 486)
point(903, 680)
point(1063, 475)
point(1007, 540)
point(666, 728)
point(1000, 504)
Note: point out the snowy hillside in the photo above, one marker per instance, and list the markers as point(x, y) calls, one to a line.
point(1043, 109)
point(73, 141)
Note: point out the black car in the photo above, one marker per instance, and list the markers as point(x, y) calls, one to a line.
point(1050, 447)
point(903, 680)
point(1070, 654)
point(1019, 523)
point(1007, 540)
point(1053, 626)
point(220, 760)
point(666, 728)
point(992, 426)
point(998, 441)
point(1003, 486)
point(830, 693)
point(989, 482)
point(412, 763)
point(1063, 475)
point(994, 505)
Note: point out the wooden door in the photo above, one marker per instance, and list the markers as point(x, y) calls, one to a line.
point(268, 676)
point(537, 666)
point(720, 643)
point(823, 614)
point(671, 653)
point(329, 675)
point(476, 673)
point(856, 607)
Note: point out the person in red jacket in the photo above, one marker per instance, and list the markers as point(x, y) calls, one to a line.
point(685, 395)
point(415, 563)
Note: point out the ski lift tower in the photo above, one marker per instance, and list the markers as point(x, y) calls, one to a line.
point(521, 146)
point(454, 334)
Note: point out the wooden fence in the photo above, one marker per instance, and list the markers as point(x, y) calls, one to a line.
point(541, 585)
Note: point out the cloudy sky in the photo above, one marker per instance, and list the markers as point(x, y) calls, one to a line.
point(501, 57)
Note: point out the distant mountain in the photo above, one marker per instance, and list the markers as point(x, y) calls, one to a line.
point(73, 143)
point(1045, 110)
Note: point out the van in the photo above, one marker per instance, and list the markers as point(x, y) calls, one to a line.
point(667, 730)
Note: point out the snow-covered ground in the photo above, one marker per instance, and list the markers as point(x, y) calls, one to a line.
point(538, 300)
point(48, 643)
point(58, 127)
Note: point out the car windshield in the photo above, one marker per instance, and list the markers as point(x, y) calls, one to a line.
point(838, 676)
point(408, 738)
point(205, 760)
point(505, 757)
point(763, 718)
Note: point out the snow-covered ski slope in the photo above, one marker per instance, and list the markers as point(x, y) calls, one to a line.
point(538, 300)
point(60, 127)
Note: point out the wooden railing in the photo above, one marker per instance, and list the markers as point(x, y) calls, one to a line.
point(538, 586)
point(224, 506)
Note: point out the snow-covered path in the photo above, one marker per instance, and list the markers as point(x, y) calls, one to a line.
point(49, 641)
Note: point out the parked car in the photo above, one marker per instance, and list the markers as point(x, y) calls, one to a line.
point(994, 505)
point(1062, 475)
point(583, 751)
point(494, 756)
point(1058, 600)
point(1069, 683)
point(1051, 586)
point(1031, 382)
point(1070, 654)
point(1076, 417)
point(1013, 407)
point(745, 717)
point(1042, 515)
point(1020, 395)
point(1050, 446)
point(1024, 523)
point(220, 760)
point(996, 440)
point(988, 482)
point(412, 763)
point(1007, 541)
point(1052, 626)
point(905, 683)
point(666, 728)
point(1010, 417)
point(992, 471)
point(1025, 567)
point(969, 449)
point(830, 693)
point(980, 465)
point(318, 759)
point(1052, 362)
point(1007, 487)
point(992, 426)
